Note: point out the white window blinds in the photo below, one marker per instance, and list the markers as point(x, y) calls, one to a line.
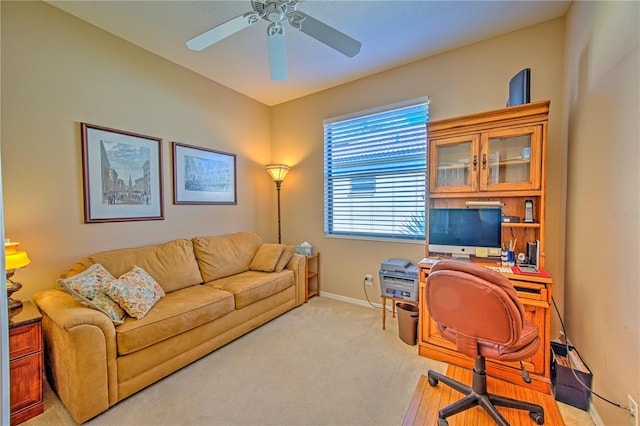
point(375, 173)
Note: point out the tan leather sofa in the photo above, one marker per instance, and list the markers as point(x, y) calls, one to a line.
point(212, 296)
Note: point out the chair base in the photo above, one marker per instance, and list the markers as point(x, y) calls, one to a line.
point(477, 395)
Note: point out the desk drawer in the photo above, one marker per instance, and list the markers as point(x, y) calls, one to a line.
point(530, 291)
point(24, 340)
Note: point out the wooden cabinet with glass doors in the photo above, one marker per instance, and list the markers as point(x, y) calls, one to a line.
point(498, 157)
point(493, 156)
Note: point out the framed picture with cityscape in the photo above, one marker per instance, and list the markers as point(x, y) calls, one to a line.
point(203, 176)
point(122, 175)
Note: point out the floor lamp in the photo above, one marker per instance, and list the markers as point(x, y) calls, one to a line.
point(278, 172)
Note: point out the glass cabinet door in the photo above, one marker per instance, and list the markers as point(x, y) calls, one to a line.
point(456, 164)
point(510, 159)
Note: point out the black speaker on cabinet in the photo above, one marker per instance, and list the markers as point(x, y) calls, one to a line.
point(520, 88)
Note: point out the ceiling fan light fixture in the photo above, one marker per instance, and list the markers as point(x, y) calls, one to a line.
point(275, 12)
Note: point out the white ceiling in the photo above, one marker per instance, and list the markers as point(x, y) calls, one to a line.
point(392, 33)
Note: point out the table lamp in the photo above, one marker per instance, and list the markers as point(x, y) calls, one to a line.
point(14, 259)
point(278, 172)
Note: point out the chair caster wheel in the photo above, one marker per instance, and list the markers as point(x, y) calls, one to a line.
point(537, 417)
point(443, 422)
point(433, 381)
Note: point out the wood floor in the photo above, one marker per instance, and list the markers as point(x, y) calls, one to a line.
point(427, 400)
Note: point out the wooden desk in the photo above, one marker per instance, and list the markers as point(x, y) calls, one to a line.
point(535, 294)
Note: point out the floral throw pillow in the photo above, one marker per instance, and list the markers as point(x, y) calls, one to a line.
point(136, 291)
point(87, 286)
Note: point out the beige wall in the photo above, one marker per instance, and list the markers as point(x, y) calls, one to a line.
point(58, 71)
point(463, 81)
point(602, 73)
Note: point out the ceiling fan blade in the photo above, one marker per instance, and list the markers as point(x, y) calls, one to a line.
point(277, 55)
point(223, 31)
point(328, 35)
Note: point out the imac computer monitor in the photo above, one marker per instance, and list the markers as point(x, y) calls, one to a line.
point(461, 232)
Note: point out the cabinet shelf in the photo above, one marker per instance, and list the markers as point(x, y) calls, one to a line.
point(520, 225)
point(460, 166)
point(465, 164)
point(513, 162)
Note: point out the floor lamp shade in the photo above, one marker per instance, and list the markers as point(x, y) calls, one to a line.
point(278, 171)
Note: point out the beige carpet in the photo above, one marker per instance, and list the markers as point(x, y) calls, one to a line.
point(325, 363)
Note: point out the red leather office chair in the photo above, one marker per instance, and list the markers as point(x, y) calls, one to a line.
point(478, 310)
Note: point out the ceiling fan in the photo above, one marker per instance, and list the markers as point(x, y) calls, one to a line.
point(277, 12)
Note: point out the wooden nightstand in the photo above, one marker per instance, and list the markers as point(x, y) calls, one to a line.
point(25, 364)
point(312, 274)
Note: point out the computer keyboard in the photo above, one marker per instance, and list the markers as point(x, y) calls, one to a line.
point(503, 269)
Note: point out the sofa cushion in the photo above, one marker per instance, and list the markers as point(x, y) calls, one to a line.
point(222, 256)
point(136, 291)
point(266, 258)
point(285, 257)
point(252, 286)
point(174, 314)
point(173, 265)
point(87, 288)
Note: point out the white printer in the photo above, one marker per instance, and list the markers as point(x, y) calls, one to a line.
point(399, 279)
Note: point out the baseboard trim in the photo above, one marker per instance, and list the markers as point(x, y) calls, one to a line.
point(351, 300)
point(594, 415)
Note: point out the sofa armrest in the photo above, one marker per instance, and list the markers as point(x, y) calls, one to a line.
point(297, 265)
point(80, 354)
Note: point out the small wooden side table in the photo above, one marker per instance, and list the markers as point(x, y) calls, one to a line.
point(312, 274)
point(25, 364)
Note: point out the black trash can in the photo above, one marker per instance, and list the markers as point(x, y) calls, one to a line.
point(407, 322)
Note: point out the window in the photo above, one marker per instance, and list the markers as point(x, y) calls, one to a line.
point(375, 173)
